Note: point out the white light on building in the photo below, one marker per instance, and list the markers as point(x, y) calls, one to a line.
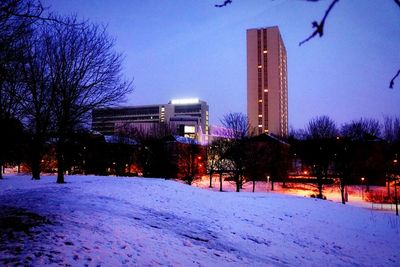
point(185, 101)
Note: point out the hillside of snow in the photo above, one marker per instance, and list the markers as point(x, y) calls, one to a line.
point(110, 221)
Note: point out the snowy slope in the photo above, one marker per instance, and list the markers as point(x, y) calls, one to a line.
point(111, 221)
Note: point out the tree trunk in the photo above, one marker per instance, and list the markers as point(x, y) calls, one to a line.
point(36, 157)
point(342, 189)
point(35, 165)
point(60, 163)
point(319, 185)
point(238, 184)
point(272, 185)
point(211, 174)
point(220, 182)
point(1, 168)
point(254, 185)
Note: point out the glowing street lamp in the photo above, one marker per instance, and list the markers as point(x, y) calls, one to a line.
point(362, 188)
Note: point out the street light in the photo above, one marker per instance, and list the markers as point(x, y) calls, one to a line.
point(362, 188)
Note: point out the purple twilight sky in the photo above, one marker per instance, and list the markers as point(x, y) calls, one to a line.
point(189, 48)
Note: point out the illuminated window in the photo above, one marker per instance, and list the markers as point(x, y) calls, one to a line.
point(259, 115)
point(260, 100)
point(259, 66)
point(259, 126)
point(266, 90)
point(189, 129)
point(265, 51)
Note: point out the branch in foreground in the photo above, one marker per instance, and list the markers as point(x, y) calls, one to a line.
point(225, 3)
point(319, 27)
point(394, 78)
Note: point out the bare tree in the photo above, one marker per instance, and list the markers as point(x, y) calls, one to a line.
point(391, 129)
point(17, 23)
point(239, 130)
point(220, 163)
point(13, 29)
point(237, 124)
point(189, 158)
point(257, 159)
point(38, 97)
point(359, 149)
point(16, 20)
point(153, 156)
point(85, 73)
point(358, 130)
point(321, 128)
point(212, 158)
point(391, 133)
point(318, 150)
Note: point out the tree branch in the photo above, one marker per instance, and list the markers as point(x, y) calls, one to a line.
point(394, 78)
point(319, 27)
point(225, 3)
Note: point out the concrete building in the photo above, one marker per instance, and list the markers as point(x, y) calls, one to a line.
point(186, 117)
point(267, 85)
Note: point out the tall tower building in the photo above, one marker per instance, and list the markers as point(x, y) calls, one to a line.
point(267, 85)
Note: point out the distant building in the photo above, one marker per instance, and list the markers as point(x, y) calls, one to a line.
point(267, 85)
point(187, 117)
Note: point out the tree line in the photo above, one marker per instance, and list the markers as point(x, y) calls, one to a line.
point(363, 148)
point(53, 71)
point(361, 151)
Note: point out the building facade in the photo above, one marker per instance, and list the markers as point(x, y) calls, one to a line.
point(267, 85)
point(186, 117)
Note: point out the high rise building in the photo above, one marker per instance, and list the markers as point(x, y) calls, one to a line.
point(186, 117)
point(267, 85)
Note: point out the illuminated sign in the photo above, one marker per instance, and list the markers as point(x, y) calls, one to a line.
point(185, 101)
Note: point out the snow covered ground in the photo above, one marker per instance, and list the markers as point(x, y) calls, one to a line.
point(110, 221)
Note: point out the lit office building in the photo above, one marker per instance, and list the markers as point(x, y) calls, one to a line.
point(186, 117)
point(267, 85)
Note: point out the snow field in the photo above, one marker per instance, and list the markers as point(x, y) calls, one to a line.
point(110, 221)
